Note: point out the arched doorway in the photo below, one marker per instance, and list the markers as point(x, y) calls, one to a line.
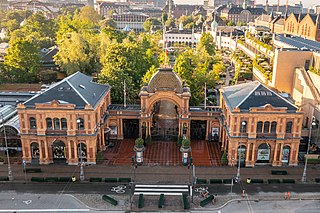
point(35, 152)
point(12, 136)
point(59, 152)
point(82, 152)
point(165, 121)
point(242, 152)
point(263, 155)
point(285, 155)
point(198, 128)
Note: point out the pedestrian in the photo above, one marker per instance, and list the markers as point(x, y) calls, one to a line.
point(74, 179)
point(289, 195)
point(285, 195)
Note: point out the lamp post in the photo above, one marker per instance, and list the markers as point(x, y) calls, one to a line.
point(304, 174)
point(239, 150)
point(80, 151)
point(7, 150)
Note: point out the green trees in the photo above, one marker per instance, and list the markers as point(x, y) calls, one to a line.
point(22, 61)
point(150, 23)
point(206, 43)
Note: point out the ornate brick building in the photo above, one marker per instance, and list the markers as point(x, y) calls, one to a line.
point(67, 116)
point(76, 116)
point(260, 125)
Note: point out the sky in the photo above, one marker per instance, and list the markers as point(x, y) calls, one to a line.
point(306, 3)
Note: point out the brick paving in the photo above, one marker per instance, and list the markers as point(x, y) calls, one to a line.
point(164, 153)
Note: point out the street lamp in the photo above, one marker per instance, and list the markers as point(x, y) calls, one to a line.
point(7, 150)
point(243, 123)
point(81, 159)
point(304, 175)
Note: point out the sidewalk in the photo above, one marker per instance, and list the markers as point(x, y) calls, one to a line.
point(161, 174)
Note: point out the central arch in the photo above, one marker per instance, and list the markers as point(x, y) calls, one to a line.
point(165, 120)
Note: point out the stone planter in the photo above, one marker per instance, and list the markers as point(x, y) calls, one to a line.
point(139, 154)
point(185, 150)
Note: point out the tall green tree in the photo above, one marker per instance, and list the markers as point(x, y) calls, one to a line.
point(74, 54)
point(150, 23)
point(23, 56)
point(206, 43)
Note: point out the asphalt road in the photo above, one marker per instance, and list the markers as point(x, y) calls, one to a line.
point(301, 206)
point(105, 188)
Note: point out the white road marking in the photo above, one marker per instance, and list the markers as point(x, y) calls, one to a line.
point(160, 190)
point(155, 193)
point(27, 201)
point(162, 186)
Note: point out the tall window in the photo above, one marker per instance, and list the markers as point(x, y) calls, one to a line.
point(64, 123)
point(243, 127)
point(273, 127)
point(266, 127)
point(80, 123)
point(259, 127)
point(56, 123)
point(33, 123)
point(289, 127)
point(49, 123)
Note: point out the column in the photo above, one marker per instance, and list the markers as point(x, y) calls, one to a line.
point(253, 153)
point(70, 159)
point(280, 155)
point(46, 150)
point(40, 152)
point(75, 150)
point(275, 153)
point(248, 152)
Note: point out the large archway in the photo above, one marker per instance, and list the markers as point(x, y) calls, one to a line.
point(59, 152)
point(165, 121)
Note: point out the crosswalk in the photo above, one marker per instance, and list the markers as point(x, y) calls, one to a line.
point(161, 189)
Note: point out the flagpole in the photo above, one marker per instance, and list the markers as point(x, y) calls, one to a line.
point(205, 95)
point(124, 94)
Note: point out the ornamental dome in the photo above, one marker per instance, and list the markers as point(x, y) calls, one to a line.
point(165, 79)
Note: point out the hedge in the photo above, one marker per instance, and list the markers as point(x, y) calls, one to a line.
point(111, 180)
point(257, 181)
point(274, 181)
point(37, 179)
point(215, 181)
point(206, 201)
point(95, 179)
point(288, 181)
point(140, 203)
point(64, 179)
point(110, 200)
point(52, 179)
point(201, 181)
point(4, 178)
point(161, 201)
point(227, 181)
point(313, 161)
point(124, 180)
point(185, 201)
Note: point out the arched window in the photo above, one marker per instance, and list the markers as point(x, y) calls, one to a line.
point(243, 127)
point(289, 127)
point(64, 123)
point(80, 123)
point(49, 123)
point(33, 123)
point(259, 127)
point(273, 127)
point(266, 127)
point(56, 123)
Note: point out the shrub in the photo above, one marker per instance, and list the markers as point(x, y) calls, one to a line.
point(100, 157)
point(186, 143)
point(179, 141)
point(224, 159)
point(139, 142)
point(47, 76)
point(1, 159)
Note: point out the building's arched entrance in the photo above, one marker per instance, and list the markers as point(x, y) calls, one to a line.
point(198, 130)
point(35, 152)
point(165, 121)
point(82, 152)
point(59, 152)
point(130, 128)
point(285, 155)
point(242, 152)
point(263, 155)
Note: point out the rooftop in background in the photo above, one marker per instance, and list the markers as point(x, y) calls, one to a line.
point(298, 42)
point(13, 98)
point(20, 87)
